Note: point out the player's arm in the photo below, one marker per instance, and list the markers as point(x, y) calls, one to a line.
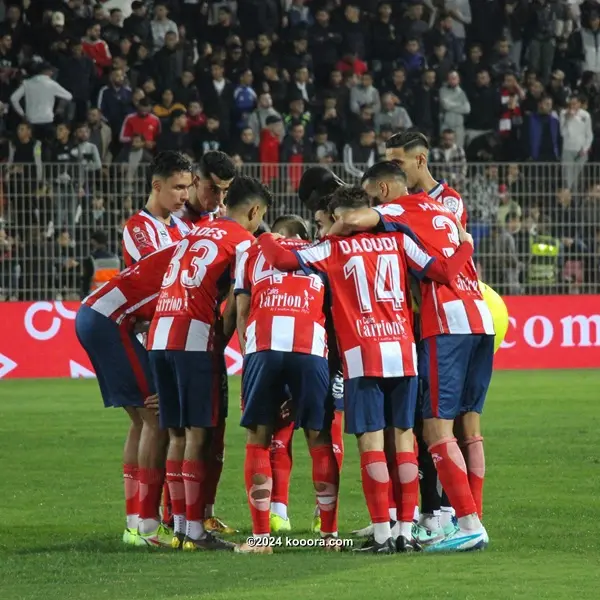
point(361, 219)
point(442, 270)
point(229, 318)
point(242, 299)
point(277, 256)
point(136, 243)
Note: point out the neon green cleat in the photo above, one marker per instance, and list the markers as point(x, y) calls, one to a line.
point(279, 524)
point(315, 526)
point(129, 536)
point(160, 538)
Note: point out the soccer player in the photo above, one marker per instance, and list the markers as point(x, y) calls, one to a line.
point(457, 331)
point(211, 182)
point(155, 226)
point(104, 327)
point(373, 319)
point(183, 337)
point(281, 326)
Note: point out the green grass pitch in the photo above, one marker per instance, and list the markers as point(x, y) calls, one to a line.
point(61, 507)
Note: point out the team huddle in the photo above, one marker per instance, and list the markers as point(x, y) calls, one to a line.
point(380, 325)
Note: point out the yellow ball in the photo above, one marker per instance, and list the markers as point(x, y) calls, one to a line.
point(499, 312)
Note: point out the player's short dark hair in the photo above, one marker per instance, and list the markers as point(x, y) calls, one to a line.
point(408, 140)
point(244, 190)
point(217, 163)
point(383, 170)
point(293, 225)
point(168, 163)
point(316, 186)
point(349, 197)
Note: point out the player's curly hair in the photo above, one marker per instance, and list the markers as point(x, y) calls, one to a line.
point(349, 197)
point(245, 189)
point(385, 169)
point(408, 140)
point(217, 163)
point(292, 225)
point(168, 163)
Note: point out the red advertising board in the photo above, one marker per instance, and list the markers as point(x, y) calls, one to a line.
point(38, 339)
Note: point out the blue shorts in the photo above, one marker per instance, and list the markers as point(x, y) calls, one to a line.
point(336, 391)
point(192, 388)
point(119, 360)
point(455, 371)
point(264, 378)
point(374, 403)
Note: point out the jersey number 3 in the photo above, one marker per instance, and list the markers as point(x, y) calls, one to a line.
point(387, 285)
point(192, 277)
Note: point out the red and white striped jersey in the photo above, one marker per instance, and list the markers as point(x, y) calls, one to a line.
point(286, 309)
point(451, 199)
point(144, 234)
point(134, 291)
point(371, 308)
point(200, 274)
point(457, 308)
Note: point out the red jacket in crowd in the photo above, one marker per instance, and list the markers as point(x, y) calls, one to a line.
point(98, 51)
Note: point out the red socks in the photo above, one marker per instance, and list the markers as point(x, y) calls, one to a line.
point(452, 471)
point(167, 512)
point(281, 463)
point(337, 437)
point(151, 481)
point(194, 482)
point(259, 482)
point(375, 482)
point(326, 476)
point(131, 487)
point(475, 458)
point(215, 462)
point(407, 495)
point(176, 487)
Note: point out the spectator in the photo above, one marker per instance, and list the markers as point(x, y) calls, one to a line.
point(442, 33)
point(482, 194)
point(471, 67)
point(297, 114)
point(350, 64)
point(506, 205)
point(175, 136)
point(339, 90)
point(270, 140)
point(96, 48)
point(449, 160)
point(224, 29)
point(40, 93)
point(299, 56)
point(295, 151)
point(511, 116)
point(54, 39)
point(383, 136)
point(485, 105)
point(460, 13)
point(244, 99)
point(323, 150)
point(142, 122)
point(585, 44)
point(515, 17)
point(246, 146)
point(557, 90)
point(236, 63)
point(357, 123)
point(161, 25)
point(263, 54)
point(137, 25)
point(115, 101)
point(195, 115)
point(303, 85)
point(361, 154)
point(577, 135)
point(543, 24)
point(365, 94)
point(258, 119)
point(167, 106)
point(566, 224)
point(333, 121)
point(100, 134)
point(217, 95)
point(9, 63)
point(324, 45)
point(425, 113)
point(299, 15)
point(391, 114)
point(100, 266)
point(169, 62)
point(211, 137)
point(413, 59)
point(400, 89)
point(385, 44)
point(133, 161)
point(77, 74)
point(184, 90)
point(354, 31)
point(66, 267)
point(534, 94)
point(454, 107)
point(541, 140)
point(88, 158)
point(412, 25)
point(440, 61)
point(112, 32)
point(501, 62)
point(16, 27)
point(274, 85)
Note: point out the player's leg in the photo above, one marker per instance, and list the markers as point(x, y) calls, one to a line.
point(131, 473)
point(308, 379)
point(262, 390)
point(443, 364)
point(281, 465)
point(365, 418)
point(196, 371)
point(479, 375)
point(401, 400)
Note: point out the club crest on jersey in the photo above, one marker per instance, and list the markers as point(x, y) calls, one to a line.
point(451, 203)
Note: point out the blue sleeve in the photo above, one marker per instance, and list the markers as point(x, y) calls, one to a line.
point(304, 267)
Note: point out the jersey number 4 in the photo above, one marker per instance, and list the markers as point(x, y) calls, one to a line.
point(387, 285)
point(206, 251)
point(263, 271)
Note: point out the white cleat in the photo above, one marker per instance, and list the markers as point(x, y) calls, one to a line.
point(462, 541)
point(365, 531)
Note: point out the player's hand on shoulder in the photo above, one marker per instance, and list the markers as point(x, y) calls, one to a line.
point(463, 236)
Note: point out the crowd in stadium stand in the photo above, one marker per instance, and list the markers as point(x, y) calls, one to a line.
point(89, 91)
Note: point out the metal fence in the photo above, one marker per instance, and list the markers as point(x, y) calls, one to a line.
point(536, 226)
